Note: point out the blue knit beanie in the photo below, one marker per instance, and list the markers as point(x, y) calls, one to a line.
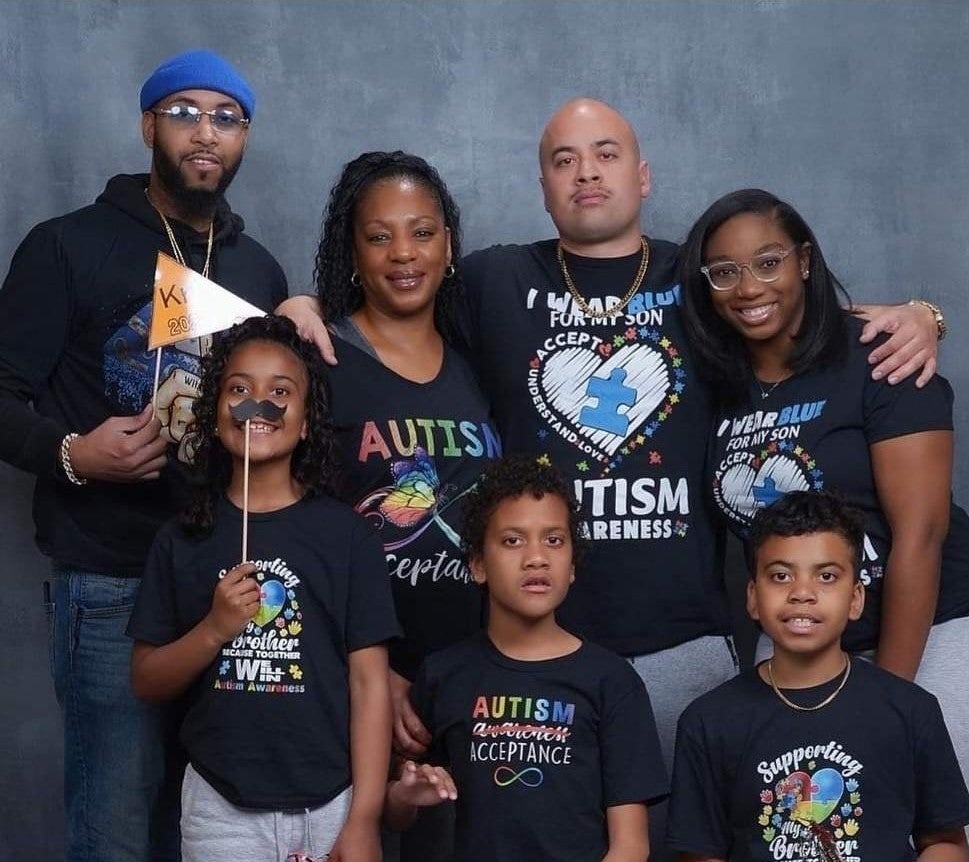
point(197, 70)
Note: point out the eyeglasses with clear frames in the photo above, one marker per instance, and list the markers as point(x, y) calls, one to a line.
point(766, 267)
point(224, 122)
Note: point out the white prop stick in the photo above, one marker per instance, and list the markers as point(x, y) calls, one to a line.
point(246, 412)
point(154, 390)
point(245, 499)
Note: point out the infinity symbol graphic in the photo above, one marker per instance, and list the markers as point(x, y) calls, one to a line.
point(530, 777)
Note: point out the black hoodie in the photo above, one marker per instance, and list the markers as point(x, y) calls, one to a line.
point(74, 316)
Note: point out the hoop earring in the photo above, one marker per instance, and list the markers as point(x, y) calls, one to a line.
point(450, 270)
point(355, 279)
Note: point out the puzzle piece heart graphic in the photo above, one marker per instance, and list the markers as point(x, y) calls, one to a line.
point(605, 400)
point(811, 798)
point(273, 599)
point(744, 490)
point(827, 785)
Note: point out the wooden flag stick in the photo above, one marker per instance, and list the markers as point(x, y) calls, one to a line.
point(154, 389)
point(245, 499)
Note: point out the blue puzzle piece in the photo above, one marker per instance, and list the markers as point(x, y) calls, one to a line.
point(611, 394)
point(767, 493)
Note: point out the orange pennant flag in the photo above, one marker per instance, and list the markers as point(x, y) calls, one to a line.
point(186, 305)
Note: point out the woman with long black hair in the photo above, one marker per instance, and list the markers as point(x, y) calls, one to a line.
point(798, 410)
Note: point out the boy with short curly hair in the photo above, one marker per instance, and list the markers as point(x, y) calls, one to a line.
point(551, 740)
point(814, 755)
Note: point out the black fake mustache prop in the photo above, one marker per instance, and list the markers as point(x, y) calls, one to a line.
point(250, 409)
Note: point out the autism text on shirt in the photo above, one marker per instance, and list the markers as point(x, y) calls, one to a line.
point(519, 739)
point(643, 496)
point(273, 567)
point(447, 438)
point(622, 498)
point(644, 309)
point(520, 707)
point(791, 761)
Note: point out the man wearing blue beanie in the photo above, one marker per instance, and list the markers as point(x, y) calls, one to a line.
point(76, 384)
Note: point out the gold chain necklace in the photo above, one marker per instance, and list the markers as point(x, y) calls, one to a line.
point(798, 707)
point(176, 251)
point(619, 306)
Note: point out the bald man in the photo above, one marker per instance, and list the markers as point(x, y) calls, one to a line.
point(580, 345)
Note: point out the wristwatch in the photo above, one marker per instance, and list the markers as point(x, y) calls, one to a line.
point(936, 313)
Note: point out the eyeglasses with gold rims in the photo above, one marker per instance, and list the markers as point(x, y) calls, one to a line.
point(224, 122)
point(766, 267)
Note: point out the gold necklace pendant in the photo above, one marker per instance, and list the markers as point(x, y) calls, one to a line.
point(176, 251)
point(798, 707)
point(580, 301)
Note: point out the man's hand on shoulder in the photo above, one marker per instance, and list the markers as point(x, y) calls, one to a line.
point(913, 346)
point(121, 449)
point(307, 314)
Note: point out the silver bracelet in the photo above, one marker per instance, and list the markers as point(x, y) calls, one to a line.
point(72, 477)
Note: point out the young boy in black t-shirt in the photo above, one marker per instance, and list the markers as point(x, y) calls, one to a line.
point(814, 755)
point(550, 740)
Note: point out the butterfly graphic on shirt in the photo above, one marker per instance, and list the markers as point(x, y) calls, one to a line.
point(414, 502)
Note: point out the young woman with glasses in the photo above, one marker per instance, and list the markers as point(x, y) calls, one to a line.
point(798, 410)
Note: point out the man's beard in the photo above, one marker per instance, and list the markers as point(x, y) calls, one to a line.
point(191, 200)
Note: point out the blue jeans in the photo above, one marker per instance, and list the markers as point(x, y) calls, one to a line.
point(114, 752)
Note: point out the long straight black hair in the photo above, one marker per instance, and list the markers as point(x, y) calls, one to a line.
point(719, 349)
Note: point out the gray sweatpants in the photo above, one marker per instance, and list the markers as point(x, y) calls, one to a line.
point(215, 830)
point(675, 677)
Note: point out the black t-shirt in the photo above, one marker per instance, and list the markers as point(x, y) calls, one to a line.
point(814, 431)
point(539, 749)
point(873, 767)
point(617, 405)
point(267, 723)
point(410, 453)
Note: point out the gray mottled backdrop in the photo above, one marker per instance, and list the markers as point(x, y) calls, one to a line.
point(855, 111)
